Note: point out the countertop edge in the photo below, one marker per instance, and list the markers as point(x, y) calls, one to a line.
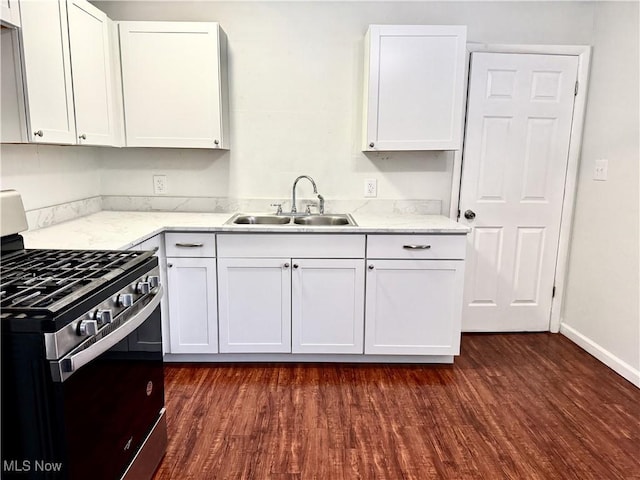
point(122, 230)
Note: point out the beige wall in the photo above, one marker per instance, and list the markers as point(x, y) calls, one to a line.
point(602, 293)
point(48, 175)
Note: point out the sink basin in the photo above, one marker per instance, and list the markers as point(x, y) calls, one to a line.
point(343, 219)
point(261, 220)
point(275, 220)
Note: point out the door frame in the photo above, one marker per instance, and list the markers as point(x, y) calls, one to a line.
point(583, 52)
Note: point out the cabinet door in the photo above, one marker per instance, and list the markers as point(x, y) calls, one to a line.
point(327, 306)
point(414, 87)
point(93, 90)
point(254, 301)
point(171, 75)
point(10, 13)
point(413, 307)
point(193, 324)
point(47, 72)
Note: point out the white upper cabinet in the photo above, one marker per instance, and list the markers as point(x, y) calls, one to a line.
point(10, 13)
point(68, 75)
point(47, 72)
point(93, 89)
point(174, 80)
point(413, 87)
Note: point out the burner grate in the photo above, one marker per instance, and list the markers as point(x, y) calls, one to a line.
point(45, 280)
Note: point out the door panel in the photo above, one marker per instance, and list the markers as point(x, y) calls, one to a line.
point(413, 308)
point(519, 116)
point(192, 306)
point(328, 306)
point(254, 301)
point(47, 72)
point(91, 64)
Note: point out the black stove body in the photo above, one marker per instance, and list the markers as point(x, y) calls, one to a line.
point(82, 374)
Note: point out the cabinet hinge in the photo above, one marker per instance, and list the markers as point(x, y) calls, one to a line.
point(553, 292)
point(458, 213)
point(575, 90)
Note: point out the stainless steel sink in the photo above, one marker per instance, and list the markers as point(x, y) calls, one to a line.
point(325, 220)
point(260, 219)
point(276, 220)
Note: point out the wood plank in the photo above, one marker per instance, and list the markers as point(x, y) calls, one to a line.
point(512, 406)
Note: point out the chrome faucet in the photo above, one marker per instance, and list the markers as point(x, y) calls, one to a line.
point(315, 190)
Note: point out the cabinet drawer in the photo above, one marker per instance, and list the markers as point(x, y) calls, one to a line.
point(416, 246)
point(290, 246)
point(200, 244)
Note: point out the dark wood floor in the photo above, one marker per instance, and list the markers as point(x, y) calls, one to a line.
point(516, 406)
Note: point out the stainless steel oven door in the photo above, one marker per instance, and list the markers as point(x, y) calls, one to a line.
point(110, 403)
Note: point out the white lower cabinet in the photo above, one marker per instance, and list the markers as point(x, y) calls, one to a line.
point(413, 306)
point(192, 305)
point(254, 302)
point(282, 305)
point(192, 292)
point(327, 306)
point(271, 302)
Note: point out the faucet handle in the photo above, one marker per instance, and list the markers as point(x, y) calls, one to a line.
point(279, 205)
point(309, 205)
point(321, 204)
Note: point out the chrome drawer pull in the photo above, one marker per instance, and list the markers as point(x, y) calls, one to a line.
point(189, 245)
point(417, 247)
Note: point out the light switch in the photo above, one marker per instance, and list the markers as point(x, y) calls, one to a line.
point(600, 170)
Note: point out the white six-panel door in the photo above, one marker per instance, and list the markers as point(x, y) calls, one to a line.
point(519, 116)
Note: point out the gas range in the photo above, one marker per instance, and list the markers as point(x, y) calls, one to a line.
point(81, 342)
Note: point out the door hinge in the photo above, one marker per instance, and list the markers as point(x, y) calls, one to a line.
point(553, 292)
point(575, 90)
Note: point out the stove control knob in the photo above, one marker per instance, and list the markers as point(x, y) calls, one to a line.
point(88, 327)
point(125, 299)
point(154, 280)
point(143, 288)
point(103, 316)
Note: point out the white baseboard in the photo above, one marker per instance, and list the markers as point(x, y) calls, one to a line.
point(609, 359)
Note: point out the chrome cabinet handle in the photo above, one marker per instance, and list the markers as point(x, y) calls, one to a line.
point(469, 214)
point(189, 245)
point(295, 265)
point(417, 247)
point(286, 265)
point(39, 133)
point(216, 142)
point(371, 145)
point(83, 136)
point(371, 267)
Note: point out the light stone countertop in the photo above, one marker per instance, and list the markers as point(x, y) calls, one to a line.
point(111, 230)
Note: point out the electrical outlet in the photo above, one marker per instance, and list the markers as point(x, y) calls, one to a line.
point(601, 169)
point(370, 187)
point(159, 184)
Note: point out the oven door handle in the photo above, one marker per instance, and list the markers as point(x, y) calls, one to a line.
point(67, 366)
